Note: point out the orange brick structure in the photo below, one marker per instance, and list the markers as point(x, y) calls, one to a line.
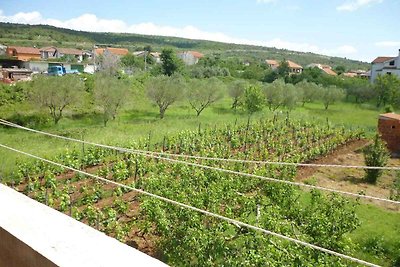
point(389, 128)
point(23, 53)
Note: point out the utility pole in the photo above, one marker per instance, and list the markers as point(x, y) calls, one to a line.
point(145, 59)
point(94, 57)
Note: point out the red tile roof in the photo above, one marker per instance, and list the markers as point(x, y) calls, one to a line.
point(382, 59)
point(113, 50)
point(196, 54)
point(70, 51)
point(329, 71)
point(350, 74)
point(390, 116)
point(272, 62)
point(293, 65)
point(48, 49)
point(25, 50)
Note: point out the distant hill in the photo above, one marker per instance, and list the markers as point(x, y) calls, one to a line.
point(44, 35)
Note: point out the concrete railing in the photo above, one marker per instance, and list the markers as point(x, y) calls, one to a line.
point(32, 234)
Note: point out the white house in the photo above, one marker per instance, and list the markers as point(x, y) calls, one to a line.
point(190, 57)
point(385, 65)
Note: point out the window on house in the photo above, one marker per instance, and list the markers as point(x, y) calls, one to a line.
point(388, 73)
point(391, 63)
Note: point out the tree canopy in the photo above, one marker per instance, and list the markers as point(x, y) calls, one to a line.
point(57, 93)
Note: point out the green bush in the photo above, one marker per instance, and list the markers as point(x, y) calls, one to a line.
point(377, 155)
point(389, 109)
point(30, 120)
point(395, 190)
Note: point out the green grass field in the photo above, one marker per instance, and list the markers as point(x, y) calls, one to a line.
point(140, 120)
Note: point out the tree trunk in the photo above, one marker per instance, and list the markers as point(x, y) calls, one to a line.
point(162, 112)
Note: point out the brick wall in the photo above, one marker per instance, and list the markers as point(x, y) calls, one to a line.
point(390, 132)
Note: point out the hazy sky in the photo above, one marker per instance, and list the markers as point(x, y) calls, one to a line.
point(357, 29)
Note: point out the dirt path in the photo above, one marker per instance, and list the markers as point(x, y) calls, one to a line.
point(350, 180)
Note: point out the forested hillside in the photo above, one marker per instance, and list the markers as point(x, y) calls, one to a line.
point(44, 35)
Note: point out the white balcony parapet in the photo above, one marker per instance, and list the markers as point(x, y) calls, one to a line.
point(32, 234)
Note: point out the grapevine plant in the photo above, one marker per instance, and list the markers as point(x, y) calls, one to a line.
point(187, 238)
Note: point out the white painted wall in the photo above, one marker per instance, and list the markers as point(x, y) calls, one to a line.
point(62, 239)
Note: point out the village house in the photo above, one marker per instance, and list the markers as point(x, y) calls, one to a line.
point(190, 57)
point(23, 53)
point(52, 52)
point(155, 55)
point(325, 68)
point(111, 50)
point(273, 64)
point(294, 68)
point(70, 52)
point(385, 65)
point(48, 52)
point(357, 73)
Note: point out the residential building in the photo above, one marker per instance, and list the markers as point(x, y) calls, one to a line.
point(325, 68)
point(357, 73)
point(190, 57)
point(48, 52)
point(294, 68)
point(350, 74)
point(156, 56)
point(112, 50)
point(385, 65)
point(23, 53)
point(52, 52)
point(70, 52)
point(273, 64)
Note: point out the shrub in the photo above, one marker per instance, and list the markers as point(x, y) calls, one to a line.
point(389, 109)
point(30, 120)
point(375, 155)
point(395, 190)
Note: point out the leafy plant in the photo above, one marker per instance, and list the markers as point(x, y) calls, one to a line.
point(375, 155)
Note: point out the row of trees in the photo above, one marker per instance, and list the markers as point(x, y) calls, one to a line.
point(58, 93)
point(356, 89)
point(279, 94)
point(108, 93)
point(200, 93)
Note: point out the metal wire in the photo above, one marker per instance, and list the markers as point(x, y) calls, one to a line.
point(211, 214)
point(143, 153)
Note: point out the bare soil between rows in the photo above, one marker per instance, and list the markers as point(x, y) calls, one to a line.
point(350, 179)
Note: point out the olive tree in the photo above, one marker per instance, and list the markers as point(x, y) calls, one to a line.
point(108, 63)
point(253, 99)
point(330, 95)
point(57, 93)
point(110, 94)
point(236, 91)
point(165, 90)
point(274, 94)
point(290, 96)
point(310, 91)
point(203, 92)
